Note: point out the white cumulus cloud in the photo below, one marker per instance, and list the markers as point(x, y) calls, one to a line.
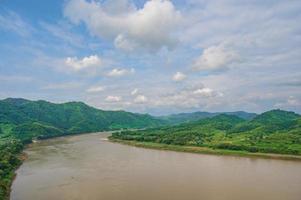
point(120, 72)
point(204, 92)
point(113, 99)
point(207, 92)
point(179, 76)
point(150, 27)
point(79, 64)
point(95, 89)
point(215, 58)
point(140, 99)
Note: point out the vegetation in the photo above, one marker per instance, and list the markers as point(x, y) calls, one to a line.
point(9, 160)
point(195, 116)
point(275, 131)
point(72, 117)
point(204, 150)
point(22, 120)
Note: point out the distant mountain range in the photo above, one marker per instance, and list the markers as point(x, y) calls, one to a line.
point(41, 119)
point(23, 120)
point(275, 131)
point(195, 116)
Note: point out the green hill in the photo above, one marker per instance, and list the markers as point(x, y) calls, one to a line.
point(72, 117)
point(23, 120)
point(195, 116)
point(274, 131)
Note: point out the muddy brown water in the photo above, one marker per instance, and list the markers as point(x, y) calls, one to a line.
point(88, 167)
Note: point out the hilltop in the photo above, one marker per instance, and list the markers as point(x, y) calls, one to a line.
point(195, 116)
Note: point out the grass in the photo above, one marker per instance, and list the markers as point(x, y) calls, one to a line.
point(204, 150)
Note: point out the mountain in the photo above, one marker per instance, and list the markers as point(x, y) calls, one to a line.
point(275, 131)
point(195, 116)
point(276, 117)
point(269, 122)
point(66, 118)
point(23, 120)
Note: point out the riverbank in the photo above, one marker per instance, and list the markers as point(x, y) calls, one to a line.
point(19, 156)
point(22, 157)
point(11, 158)
point(152, 174)
point(204, 150)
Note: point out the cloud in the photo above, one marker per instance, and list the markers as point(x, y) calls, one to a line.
point(134, 92)
point(207, 92)
point(11, 21)
point(122, 42)
point(95, 89)
point(63, 86)
point(150, 27)
point(120, 72)
point(63, 32)
point(113, 99)
point(289, 103)
point(215, 58)
point(79, 64)
point(216, 37)
point(193, 97)
point(179, 76)
point(140, 99)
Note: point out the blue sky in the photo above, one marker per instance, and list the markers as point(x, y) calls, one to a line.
point(154, 56)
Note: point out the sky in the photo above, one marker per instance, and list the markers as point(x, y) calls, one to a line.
point(157, 56)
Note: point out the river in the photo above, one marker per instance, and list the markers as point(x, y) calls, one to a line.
point(88, 167)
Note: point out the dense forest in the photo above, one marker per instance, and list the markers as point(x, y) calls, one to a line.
point(22, 120)
point(274, 131)
point(195, 116)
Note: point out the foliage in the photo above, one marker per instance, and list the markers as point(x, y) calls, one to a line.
point(28, 131)
point(195, 116)
point(275, 131)
point(10, 149)
point(71, 117)
point(22, 120)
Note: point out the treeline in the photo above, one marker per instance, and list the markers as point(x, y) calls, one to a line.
point(22, 121)
point(275, 131)
point(10, 150)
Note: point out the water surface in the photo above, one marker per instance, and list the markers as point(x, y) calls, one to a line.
point(88, 167)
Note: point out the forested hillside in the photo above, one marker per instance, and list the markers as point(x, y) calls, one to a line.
point(195, 116)
point(275, 131)
point(30, 119)
point(22, 120)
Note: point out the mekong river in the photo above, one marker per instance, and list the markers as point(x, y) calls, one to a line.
point(88, 167)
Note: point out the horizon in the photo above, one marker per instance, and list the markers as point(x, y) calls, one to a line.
point(221, 112)
point(157, 57)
